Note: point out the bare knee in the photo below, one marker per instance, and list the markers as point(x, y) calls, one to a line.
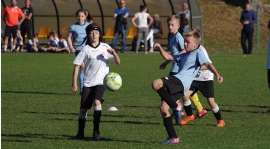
point(157, 84)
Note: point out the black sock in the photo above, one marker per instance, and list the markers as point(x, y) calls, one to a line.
point(163, 93)
point(169, 127)
point(81, 123)
point(188, 110)
point(96, 121)
point(217, 115)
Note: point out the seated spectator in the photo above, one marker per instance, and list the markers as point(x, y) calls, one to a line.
point(157, 27)
point(32, 45)
point(52, 43)
point(62, 45)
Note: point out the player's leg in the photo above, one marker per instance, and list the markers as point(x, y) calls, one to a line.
point(188, 109)
point(196, 102)
point(124, 42)
point(216, 112)
point(86, 103)
point(7, 35)
point(250, 40)
point(167, 121)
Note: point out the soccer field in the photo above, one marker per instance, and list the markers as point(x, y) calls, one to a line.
point(39, 110)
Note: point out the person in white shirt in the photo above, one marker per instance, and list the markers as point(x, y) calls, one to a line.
point(95, 56)
point(143, 26)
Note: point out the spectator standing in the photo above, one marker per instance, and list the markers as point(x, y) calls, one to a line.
point(248, 19)
point(143, 26)
point(268, 62)
point(184, 18)
point(120, 16)
point(26, 26)
point(11, 15)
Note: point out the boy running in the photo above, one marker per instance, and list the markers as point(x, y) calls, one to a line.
point(178, 85)
point(204, 83)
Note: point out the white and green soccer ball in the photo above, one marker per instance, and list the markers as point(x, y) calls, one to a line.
point(112, 81)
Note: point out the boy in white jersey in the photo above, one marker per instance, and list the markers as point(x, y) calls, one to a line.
point(203, 82)
point(189, 65)
point(95, 56)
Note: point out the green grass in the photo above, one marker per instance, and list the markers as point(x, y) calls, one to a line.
point(39, 110)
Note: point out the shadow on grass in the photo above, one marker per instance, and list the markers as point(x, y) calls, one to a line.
point(90, 139)
point(25, 136)
point(156, 107)
point(56, 113)
point(26, 141)
point(26, 92)
point(254, 106)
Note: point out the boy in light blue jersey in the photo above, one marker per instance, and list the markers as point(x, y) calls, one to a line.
point(176, 46)
point(189, 65)
point(77, 30)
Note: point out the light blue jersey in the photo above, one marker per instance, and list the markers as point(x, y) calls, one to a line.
point(189, 65)
point(176, 46)
point(79, 33)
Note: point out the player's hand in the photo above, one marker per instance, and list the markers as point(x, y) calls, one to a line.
point(73, 50)
point(163, 65)
point(111, 51)
point(74, 88)
point(219, 79)
point(157, 45)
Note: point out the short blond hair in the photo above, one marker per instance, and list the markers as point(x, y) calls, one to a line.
point(174, 17)
point(195, 33)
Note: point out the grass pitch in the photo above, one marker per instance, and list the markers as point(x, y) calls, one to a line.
point(39, 110)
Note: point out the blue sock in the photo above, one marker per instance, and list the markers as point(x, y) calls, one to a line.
point(81, 80)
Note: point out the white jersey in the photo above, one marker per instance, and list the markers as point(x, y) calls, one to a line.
point(96, 63)
point(204, 75)
point(142, 19)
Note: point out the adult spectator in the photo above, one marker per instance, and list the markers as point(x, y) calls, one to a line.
point(184, 18)
point(248, 19)
point(157, 27)
point(120, 15)
point(26, 26)
point(11, 15)
point(143, 26)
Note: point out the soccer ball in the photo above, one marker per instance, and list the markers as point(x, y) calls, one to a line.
point(112, 81)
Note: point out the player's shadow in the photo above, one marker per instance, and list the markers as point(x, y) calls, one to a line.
point(155, 107)
point(91, 139)
point(54, 113)
point(21, 137)
point(28, 92)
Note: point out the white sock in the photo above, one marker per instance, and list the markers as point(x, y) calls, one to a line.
point(5, 47)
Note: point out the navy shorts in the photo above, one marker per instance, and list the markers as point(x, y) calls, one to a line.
point(174, 87)
point(205, 87)
point(89, 94)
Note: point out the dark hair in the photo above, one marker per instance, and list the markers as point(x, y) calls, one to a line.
point(142, 7)
point(88, 29)
point(88, 16)
point(80, 10)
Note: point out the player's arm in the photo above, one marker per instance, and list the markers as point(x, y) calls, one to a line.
point(163, 53)
point(74, 86)
point(214, 71)
point(115, 55)
point(69, 40)
point(164, 64)
point(22, 16)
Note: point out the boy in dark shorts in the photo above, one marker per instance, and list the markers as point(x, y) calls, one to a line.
point(178, 85)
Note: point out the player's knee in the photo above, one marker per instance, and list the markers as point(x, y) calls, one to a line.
point(156, 85)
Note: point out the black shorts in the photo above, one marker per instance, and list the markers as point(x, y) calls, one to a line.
point(175, 87)
point(89, 94)
point(26, 28)
point(205, 87)
point(11, 30)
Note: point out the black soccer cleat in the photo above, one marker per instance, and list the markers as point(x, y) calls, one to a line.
point(79, 137)
point(96, 136)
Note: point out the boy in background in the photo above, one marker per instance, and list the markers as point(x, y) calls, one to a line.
point(32, 45)
point(52, 44)
point(62, 45)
